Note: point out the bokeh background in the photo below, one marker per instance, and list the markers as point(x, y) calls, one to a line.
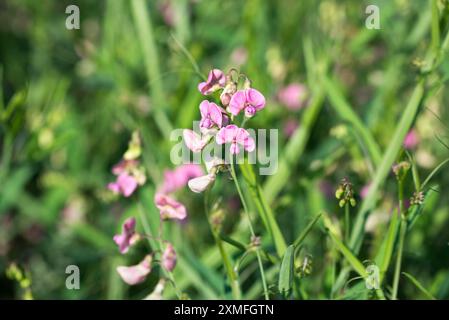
point(70, 100)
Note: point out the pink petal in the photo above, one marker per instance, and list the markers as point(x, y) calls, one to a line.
point(411, 139)
point(200, 184)
point(135, 274)
point(204, 108)
point(237, 102)
point(193, 140)
point(114, 187)
point(215, 114)
point(127, 184)
point(169, 258)
point(170, 208)
point(234, 148)
point(255, 98)
point(123, 240)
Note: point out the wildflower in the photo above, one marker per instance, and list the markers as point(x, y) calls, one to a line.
point(228, 91)
point(215, 81)
point(157, 292)
point(136, 274)
point(178, 178)
point(236, 136)
point(364, 191)
point(125, 184)
point(249, 100)
point(169, 258)
point(293, 96)
point(411, 140)
point(211, 115)
point(194, 141)
point(128, 235)
point(290, 127)
point(201, 183)
point(400, 169)
point(169, 208)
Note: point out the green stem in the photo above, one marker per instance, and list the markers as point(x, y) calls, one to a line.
point(245, 208)
point(347, 223)
point(402, 232)
point(233, 278)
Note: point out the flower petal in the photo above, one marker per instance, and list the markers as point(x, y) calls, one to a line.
point(136, 274)
point(237, 102)
point(200, 184)
point(255, 98)
point(193, 140)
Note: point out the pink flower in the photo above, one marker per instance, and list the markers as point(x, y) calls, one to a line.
point(126, 238)
point(194, 141)
point(124, 166)
point(211, 115)
point(364, 191)
point(136, 274)
point(236, 136)
point(249, 100)
point(125, 184)
point(411, 140)
point(293, 96)
point(215, 81)
point(169, 258)
point(169, 208)
point(178, 178)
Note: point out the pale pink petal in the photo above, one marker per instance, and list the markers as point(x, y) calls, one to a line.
point(133, 275)
point(193, 140)
point(234, 148)
point(237, 102)
point(215, 80)
point(255, 98)
point(411, 139)
point(123, 240)
point(178, 178)
point(200, 184)
point(127, 184)
point(114, 187)
point(170, 208)
point(293, 96)
point(169, 258)
point(215, 114)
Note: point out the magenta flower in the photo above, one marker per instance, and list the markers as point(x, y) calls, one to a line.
point(293, 96)
point(178, 178)
point(194, 141)
point(127, 237)
point(125, 184)
point(411, 140)
point(215, 81)
point(136, 274)
point(169, 258)
point(249, 100)
point(236, 136)
point(211, 115)
point(169, 208)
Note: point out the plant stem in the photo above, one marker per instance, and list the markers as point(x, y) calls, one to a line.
point(402, 232)
point(245, 208)
point(347, 226)
point(233, 278)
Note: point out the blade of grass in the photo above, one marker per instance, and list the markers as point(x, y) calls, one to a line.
point(306, 231)
point(419, 285)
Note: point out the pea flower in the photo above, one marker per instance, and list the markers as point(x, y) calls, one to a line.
point(169, 208)
point(199, 184)
point(236, 136)
point(211, 116)
point(125, 184)
point(169, 258)
point(128, 235)
point(136, 274)
point(293, 96)
point(215, 81)
point(178, 178)
point(249, 100)
point(194, 141)
point(411, 140)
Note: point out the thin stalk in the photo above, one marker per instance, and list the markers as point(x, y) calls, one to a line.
point(402, 232)
point(347, 223)
point(245, 208)
point(233, 278)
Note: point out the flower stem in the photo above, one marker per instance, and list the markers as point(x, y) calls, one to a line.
point(347, 223)
point(233, 278)
point(402, 232)
point(245, 208)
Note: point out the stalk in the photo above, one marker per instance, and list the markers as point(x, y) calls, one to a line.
point(245, 207)
point(402, 232)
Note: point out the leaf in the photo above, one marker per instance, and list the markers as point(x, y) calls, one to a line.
point(286, 272)
point(232, 242)
point(434, 171)
point(385, 253)
point(419, 285)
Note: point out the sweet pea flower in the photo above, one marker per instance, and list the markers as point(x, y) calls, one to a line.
point(194, 141)
point(200, 184)
point(125, 184)
point(136, 274)
point(128, 235)
point(249, 100)
point(169, 258)
point(293, 96)
point(236, 136)
point(178, 178)
point(169, 208)
point(211, 116)
point(215, 81)
point(411, 140)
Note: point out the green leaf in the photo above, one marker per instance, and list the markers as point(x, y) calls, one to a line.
point(419, 286)
point(385, 253)
point(286, 272)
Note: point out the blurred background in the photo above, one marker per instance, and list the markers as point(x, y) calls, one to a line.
point(70, 100)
